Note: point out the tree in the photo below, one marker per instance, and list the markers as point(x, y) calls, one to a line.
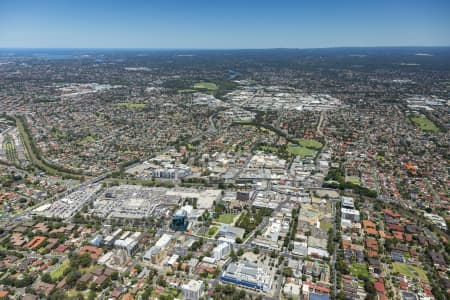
point(72, 277)
point(57, 295)
point(287, 272)
point(91, 295)
point(46, 278)
point(161, 281)
point(81, 286)
point(114, 275)
point(233, 255)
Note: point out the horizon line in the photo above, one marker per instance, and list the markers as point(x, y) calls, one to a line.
point(233, 48)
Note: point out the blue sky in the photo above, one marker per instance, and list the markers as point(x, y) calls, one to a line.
point(223, 23)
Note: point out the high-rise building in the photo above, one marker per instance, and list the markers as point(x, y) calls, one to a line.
point(221, 250)
point(192, 290)
point(179, 220)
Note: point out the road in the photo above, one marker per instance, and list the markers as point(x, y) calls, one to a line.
point(319, 124)
point(258, 92)
point(212, 127)
point(216, 280)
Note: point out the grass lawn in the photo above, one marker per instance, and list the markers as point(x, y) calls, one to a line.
point(206, 85)
point(301, 151)
point(59, 271)
point(168, 292)
point(225, 218)
point(186, 91)
point(424, 124)
point(410, 271)
point(312, 144)
point(359, 270)
point(212, 231)
point(130, 105)
point(72, 293)
point(354, 180)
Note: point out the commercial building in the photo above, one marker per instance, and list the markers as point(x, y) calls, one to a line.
point(179, 220)
point(110, 239)
point(230, 232)
point(269, 239)
point(292, 290)
point(192, 290)
point(128, 242)
point(247, 275)
point(221, 250)
point(348, 202)
point(133, 204)
point(156, 253)
point(350, 214)
point(96, 241)
point(172, 261)
point(300, 248)
point(205, 198)
point(172, 172)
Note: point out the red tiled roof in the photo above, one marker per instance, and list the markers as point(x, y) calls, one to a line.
point(398, 235)
point(382, 297)
point(369, 224)
point(60, 248)
point(396, 227)
point(379, 286)
point(391, 213)
point(36, 242)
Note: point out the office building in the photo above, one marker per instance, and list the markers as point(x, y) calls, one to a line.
point(179, 220)
point(192, 290)
point(247, 275)
point(221, 250)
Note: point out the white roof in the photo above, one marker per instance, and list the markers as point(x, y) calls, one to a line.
point(193, 285)
point(173, 259)
point(210, 260)
point(350, 211)
point(163, 240)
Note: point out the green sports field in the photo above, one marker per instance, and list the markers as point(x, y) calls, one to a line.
point(130, 105)
point(206, 85)
point(301, 151)
point(225, 218)
point(410, 271)
point(424, 124)
point(58, 273)
point(312, 144)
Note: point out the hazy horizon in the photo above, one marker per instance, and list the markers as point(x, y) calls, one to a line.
point(417, 47)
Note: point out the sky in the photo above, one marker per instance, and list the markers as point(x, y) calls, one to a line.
point(223, 24)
